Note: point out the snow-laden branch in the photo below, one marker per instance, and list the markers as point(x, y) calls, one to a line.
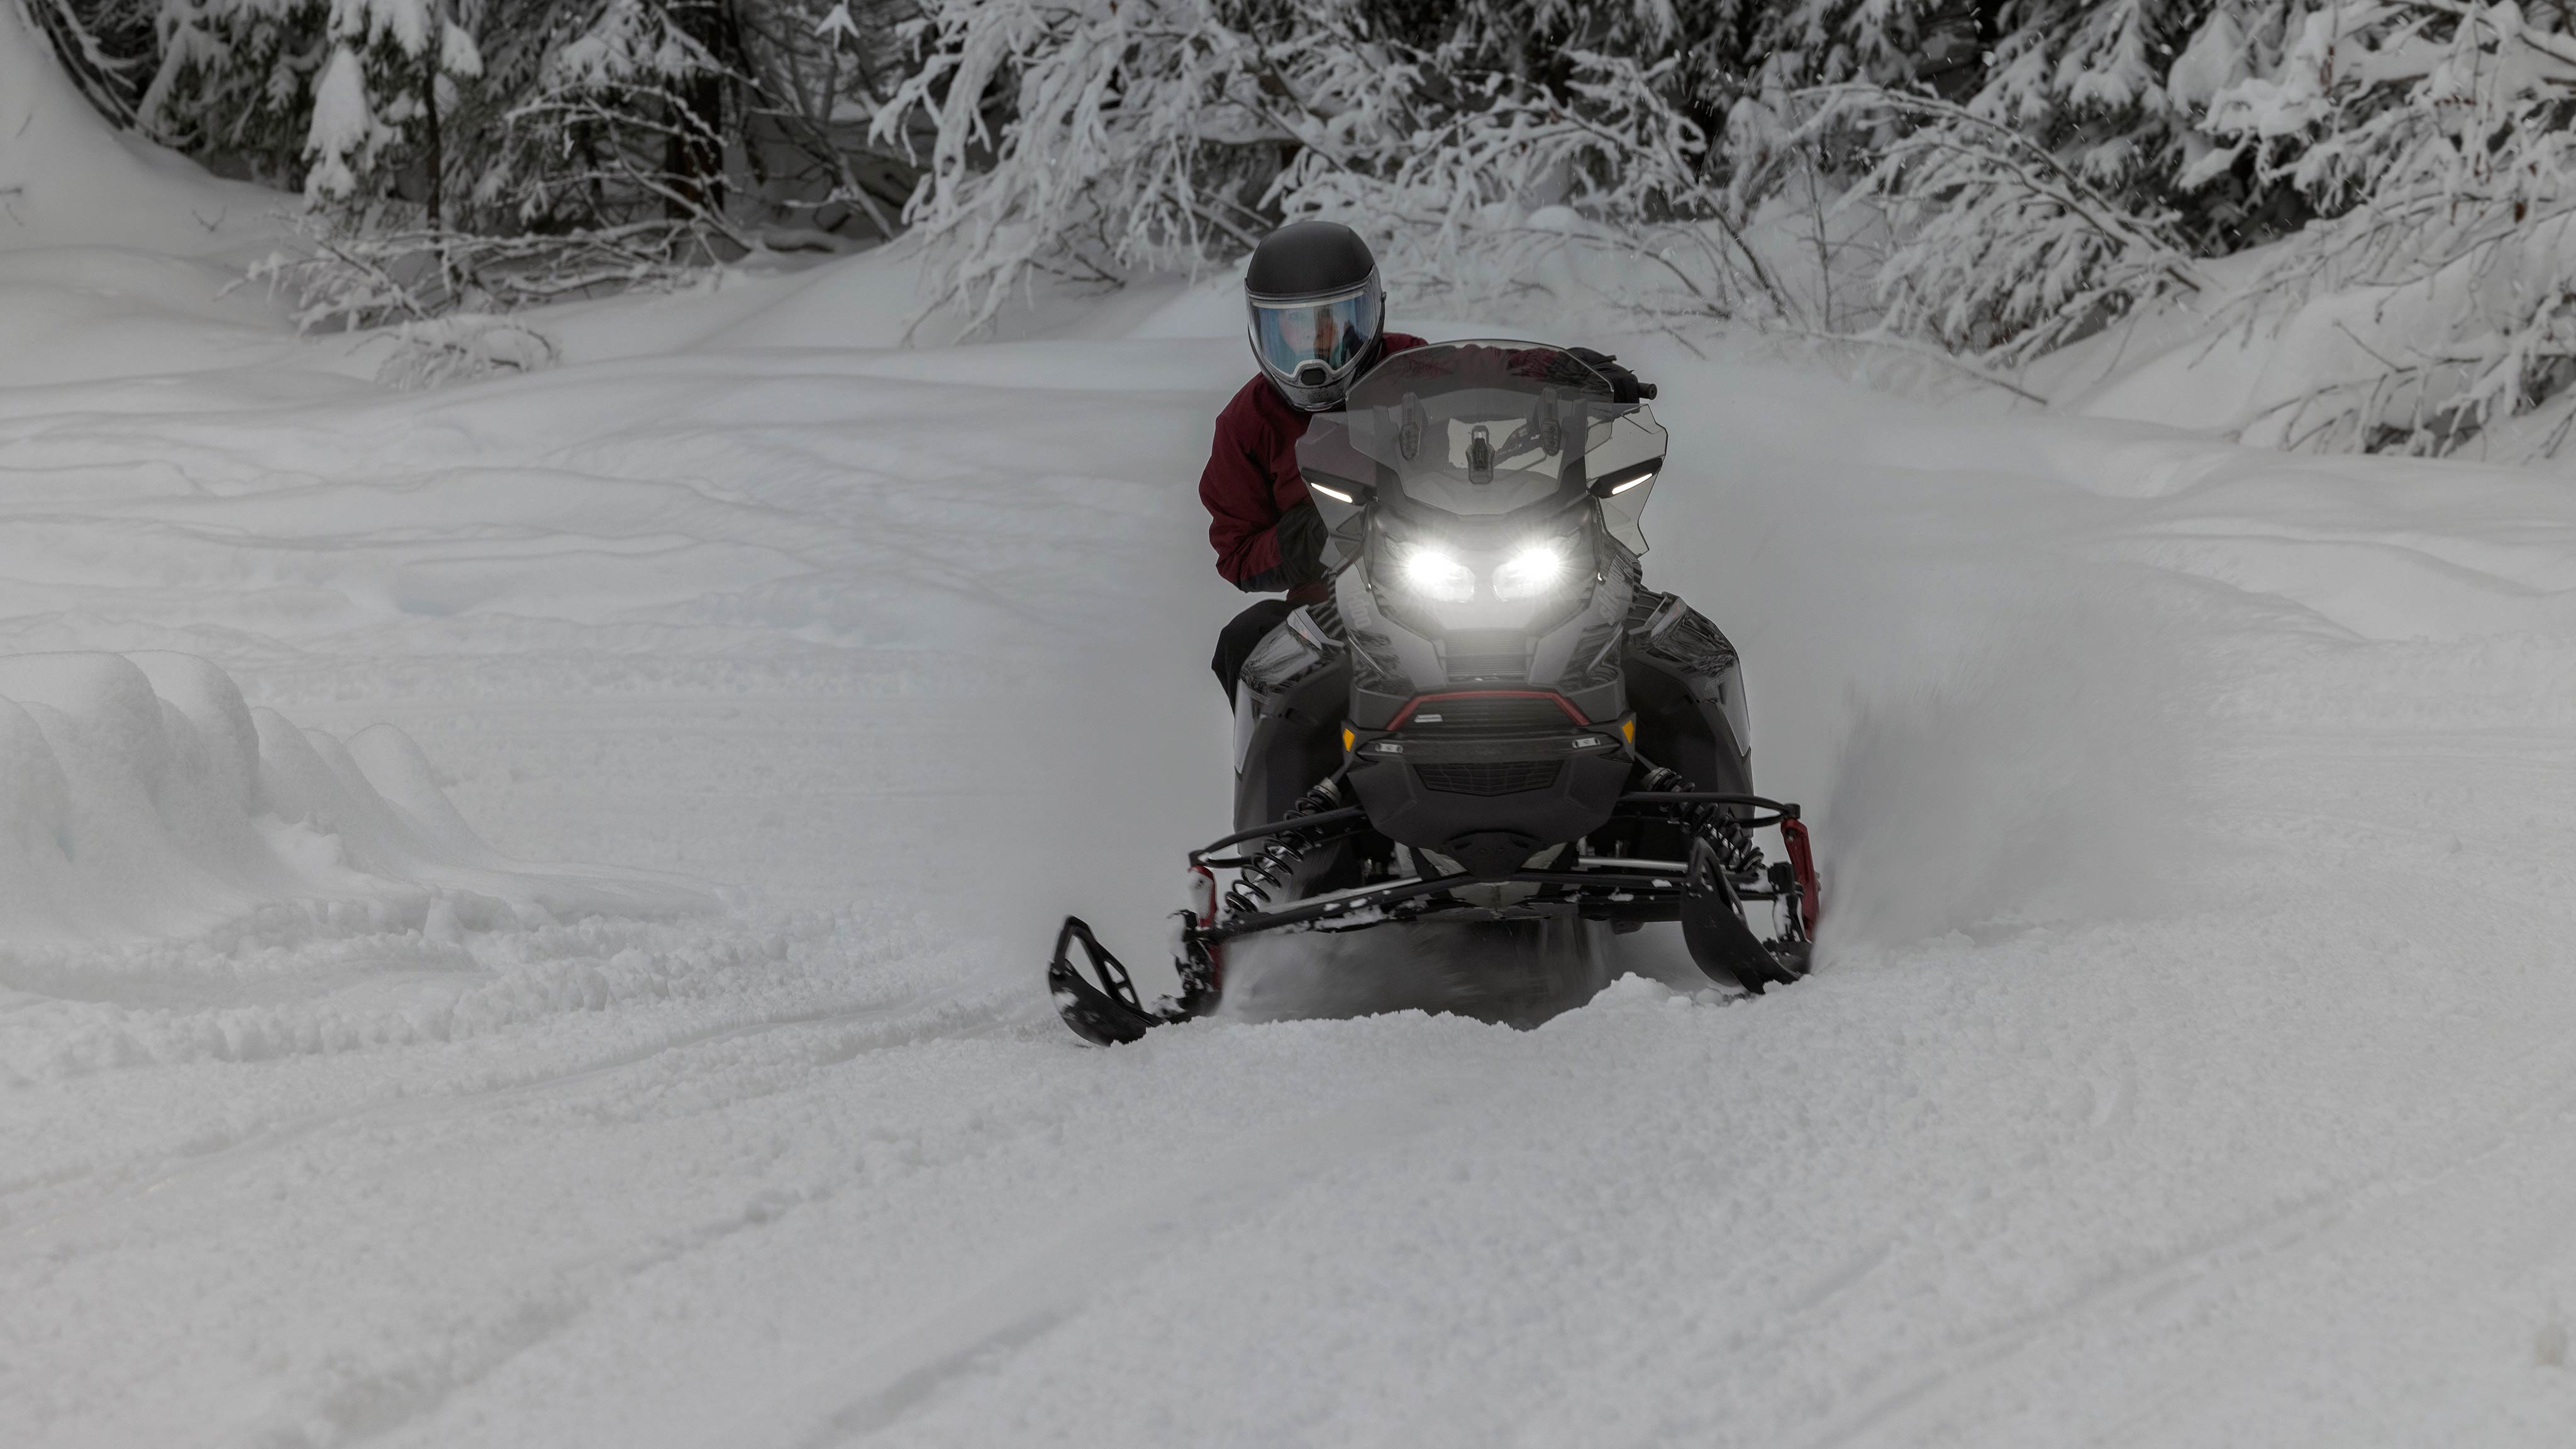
point(2004, 249)
point(2439, 131)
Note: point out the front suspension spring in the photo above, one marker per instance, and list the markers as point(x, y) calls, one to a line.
point(1276, 866)
point(1737, 855)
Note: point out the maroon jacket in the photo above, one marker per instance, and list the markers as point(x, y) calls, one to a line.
point(1251, 480)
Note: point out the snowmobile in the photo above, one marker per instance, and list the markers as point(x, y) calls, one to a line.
point(1491, 719)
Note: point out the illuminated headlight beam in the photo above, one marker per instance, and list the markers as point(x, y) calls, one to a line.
point(1530, 572)
point(1437, 574)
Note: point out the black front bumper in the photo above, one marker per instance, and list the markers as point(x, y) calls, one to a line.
point(1489, 802)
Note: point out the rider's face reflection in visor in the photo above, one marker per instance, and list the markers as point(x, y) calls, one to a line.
point(1334, 333)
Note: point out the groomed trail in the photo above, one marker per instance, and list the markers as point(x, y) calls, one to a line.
point(2193, 1060)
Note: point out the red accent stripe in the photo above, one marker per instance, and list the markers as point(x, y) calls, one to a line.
point(1802, 859)
point(1216, 953)
point(1560, 701)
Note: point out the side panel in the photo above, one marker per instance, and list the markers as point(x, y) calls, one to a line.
point(1681, 727)
point(1688, 691)
point(1687, 688)
point(1296, 741)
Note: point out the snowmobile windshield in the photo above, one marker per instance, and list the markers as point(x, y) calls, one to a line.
point(1314, 342)
point(1483, 430)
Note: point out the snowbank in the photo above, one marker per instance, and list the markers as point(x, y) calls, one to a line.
point(119, 259)
point(2299, 373)
point(140, 796)
point(68, 179)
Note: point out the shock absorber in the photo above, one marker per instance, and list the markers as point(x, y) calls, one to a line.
point(1275, 868)
point(1736, 852)
point(1662, 781)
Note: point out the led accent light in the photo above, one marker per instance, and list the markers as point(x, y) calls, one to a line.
point(1437, 574)
point(1335, 494)
point(1611, 485)
point(1531, 572)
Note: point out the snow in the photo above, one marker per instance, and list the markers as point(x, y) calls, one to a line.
point(149, 801)
point(345, 130)
point(65, 180)
point(2189, 1064)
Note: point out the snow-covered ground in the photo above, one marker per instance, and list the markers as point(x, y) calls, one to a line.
point(2193, 1060)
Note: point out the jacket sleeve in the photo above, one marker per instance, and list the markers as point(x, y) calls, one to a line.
point(1242, 518)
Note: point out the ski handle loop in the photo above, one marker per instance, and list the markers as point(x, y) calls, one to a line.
point(1782, 810)
point(1349, 815)
point(1114, 982)
point(1802, 859)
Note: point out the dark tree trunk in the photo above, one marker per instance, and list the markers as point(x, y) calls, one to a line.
point(693, 159)
point(435, 145)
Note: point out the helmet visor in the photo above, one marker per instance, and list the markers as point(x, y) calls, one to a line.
point(1315, 342)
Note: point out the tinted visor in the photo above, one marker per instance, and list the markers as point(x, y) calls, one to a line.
point(1315, 342)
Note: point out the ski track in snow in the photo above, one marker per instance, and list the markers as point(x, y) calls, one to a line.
point(2193, 1060)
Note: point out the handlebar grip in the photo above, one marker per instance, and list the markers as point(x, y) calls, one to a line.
point(1646, 390)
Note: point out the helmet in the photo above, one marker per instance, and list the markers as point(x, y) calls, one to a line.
point(1316, 308)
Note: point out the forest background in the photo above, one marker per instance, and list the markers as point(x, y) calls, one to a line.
point(1979, 190)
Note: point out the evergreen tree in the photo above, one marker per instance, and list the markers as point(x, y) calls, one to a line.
point(2434, 137)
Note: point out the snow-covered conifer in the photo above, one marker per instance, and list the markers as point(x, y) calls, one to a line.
point(1091, 139)
point(2435, 135)
point(2029, 178)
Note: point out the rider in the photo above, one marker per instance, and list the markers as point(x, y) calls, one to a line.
point(1317, 314)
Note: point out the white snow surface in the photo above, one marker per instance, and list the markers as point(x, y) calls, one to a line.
point(2191, 1062)
point(146, 801)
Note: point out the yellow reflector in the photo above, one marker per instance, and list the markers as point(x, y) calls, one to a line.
point(1628, 730)
point(1350, 737)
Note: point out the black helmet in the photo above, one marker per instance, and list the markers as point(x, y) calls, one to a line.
point(1316, 308)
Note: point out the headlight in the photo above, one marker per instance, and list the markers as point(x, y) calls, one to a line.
point(1435, 573)
point(1534, 570)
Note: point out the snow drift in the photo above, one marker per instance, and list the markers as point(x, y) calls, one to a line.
point(67, 178)
point(140, 796)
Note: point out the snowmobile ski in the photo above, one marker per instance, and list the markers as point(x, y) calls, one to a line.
point(1103, 1009)
point(1098, 998)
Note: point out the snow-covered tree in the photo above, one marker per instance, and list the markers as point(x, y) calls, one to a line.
point(2002, 246)
point(1498, 138)
point(1093, 138)
point(817, 72)
point(2025, 157)
point(515, 116)
point(2020, 172)
point(467, 156)
point(2436, 136)
point(102, 44)
point(391, 83)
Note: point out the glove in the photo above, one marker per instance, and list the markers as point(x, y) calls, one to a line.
point(1301, 544)
point(1624, 385)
